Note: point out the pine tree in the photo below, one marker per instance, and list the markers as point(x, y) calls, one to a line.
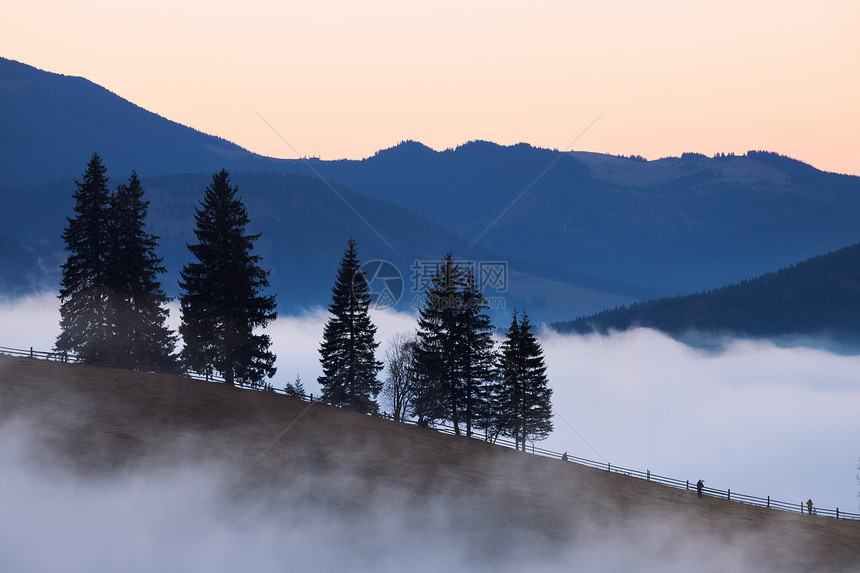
point(222, 300)
point(440, 394)
point(137, 304)
point(295, 389)
point(456, 356)
point(84, 322)
point(347, 350)
point(523, 394)
point(476, 353)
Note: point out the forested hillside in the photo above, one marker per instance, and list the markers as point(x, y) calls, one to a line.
point(820, 296)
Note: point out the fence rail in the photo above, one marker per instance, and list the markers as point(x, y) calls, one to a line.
point(446, 429)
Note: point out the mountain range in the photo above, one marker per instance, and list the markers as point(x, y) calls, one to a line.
point(578, 232)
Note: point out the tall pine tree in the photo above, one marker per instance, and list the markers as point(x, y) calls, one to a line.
point(456, 357)
point(475, 353)
point(137, 304)
point(523, 394)
point(85, 328)
point(347, 350)
point(438, 332)
point(222, 300)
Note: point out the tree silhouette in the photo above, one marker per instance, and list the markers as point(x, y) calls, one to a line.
point(84, 322)
point(222, 300)
point(348, 346)
point(295, 389)
point(113, 310)
point(523, 393)
point(137, 304)
point(475, 353)
point(455, 355)
point(438, 331)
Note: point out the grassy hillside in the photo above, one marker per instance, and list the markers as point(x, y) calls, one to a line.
point(98, 423)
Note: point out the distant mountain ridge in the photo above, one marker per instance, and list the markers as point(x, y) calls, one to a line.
point(580, 231)
point(52, 124)
point(815, 298)
point(645, 228)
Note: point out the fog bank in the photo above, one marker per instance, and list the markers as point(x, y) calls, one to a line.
point(755, 418)
point(172, 515)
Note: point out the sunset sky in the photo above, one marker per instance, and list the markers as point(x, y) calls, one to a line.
point(344, 79)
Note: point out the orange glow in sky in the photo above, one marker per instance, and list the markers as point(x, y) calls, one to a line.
point(344, 79)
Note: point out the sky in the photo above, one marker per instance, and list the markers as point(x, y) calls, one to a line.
point(754, 418)
point(339, 79)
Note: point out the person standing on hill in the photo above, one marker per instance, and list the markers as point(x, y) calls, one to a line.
point(809, 506)
point(700, 485)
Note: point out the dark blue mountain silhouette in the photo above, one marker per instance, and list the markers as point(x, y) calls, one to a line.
point(641, 228)
point(52, 124)
point(819, 297)
point(581, 231)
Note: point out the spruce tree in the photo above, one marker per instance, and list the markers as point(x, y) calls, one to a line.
point(524, 405)
point(347, 350)
point(137, 304)
point(84, 306)
point(456, 356)
point(222, 300)
point(476, 353)
point(440, 395)
point(295, 389)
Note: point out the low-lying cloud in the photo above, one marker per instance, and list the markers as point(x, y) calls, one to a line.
point(755, 418)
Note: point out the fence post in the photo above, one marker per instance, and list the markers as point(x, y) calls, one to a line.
point(312, 396)
point(648, 474)
point(837, 513)
point(31, 352)
point(768, 502)
point(608, 467)
point(729, 496)
point(688, 485)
